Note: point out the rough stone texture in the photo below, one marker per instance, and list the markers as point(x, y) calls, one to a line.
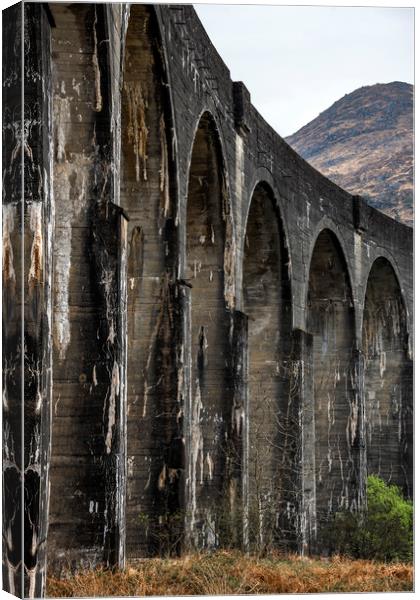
point(223, 350)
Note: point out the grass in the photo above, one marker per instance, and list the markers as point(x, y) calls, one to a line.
point(228, 572)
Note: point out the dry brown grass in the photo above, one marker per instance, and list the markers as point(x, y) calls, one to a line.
point(234, 573)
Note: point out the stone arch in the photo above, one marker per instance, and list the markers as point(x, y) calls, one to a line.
point(387, 378)
point(374, 254)
point(331, 321)
point(147, 193)
point(267, 304)
point(210, 408)
point(207, 114)
point(326, 224)
point(262, 176)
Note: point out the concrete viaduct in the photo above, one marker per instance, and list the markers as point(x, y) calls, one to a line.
point(217, 339)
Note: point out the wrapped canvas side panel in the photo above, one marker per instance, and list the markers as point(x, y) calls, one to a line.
point(36, 287)
point(12, 300)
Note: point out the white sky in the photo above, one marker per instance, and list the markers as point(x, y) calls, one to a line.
point(297, 60)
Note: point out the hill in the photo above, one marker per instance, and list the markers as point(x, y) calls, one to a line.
point(364, 143)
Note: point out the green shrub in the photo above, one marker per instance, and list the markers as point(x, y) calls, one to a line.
point(388, 532)
point(384, 533)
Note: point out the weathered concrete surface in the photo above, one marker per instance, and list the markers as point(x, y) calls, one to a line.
point(267, 303)
point(153, 414)
point(77, 484)
point(89, 376)
point(227, 365)
point(387, 379)
point(12, 379)
point(27, 245)
point(336, 408)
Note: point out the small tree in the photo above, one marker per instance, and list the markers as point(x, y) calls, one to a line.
point(388, 531)
point(384, 533)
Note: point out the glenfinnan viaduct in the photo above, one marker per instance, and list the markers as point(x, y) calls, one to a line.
point(217, 339)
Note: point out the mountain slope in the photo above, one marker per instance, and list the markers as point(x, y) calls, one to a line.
point(364, 143)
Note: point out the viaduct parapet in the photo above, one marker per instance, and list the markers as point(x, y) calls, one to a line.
point(217, 339)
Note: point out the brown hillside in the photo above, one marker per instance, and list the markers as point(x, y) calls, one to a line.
point(364, 143)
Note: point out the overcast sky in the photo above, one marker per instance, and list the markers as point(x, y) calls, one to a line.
point(297, 60)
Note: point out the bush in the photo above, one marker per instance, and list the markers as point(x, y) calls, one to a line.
point(384, 533)
point(388, 531)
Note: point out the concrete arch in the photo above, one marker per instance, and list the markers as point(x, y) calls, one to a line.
point(148, 193)
point(384, 254)
point(331, 322)
point(262, 176)
point(327, 224)
point(166, 96)
point(230, 237)
point(170, 112)
point(205, 271)
point(387, 377)
point(211, 114)
point(267, 305)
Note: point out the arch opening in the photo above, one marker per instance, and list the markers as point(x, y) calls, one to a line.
point(146, 192)
point(267, 304)
point(209, 326)
point(387, 378)
point(330, 319)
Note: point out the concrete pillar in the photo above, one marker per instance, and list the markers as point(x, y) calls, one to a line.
point(407, 427)
point(238, 446)
point(232, 496)
point(89, 298)
point(110, 258)
point(189, 504)
point(302, 484)
point(358, 432)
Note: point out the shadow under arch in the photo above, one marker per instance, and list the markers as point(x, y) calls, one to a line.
point(207, 120)
point(263, 178)
point(331, 321)
point(326, 224)
point(209, 412)
point(387, 378)
point(267, 305)
point(148, 194)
